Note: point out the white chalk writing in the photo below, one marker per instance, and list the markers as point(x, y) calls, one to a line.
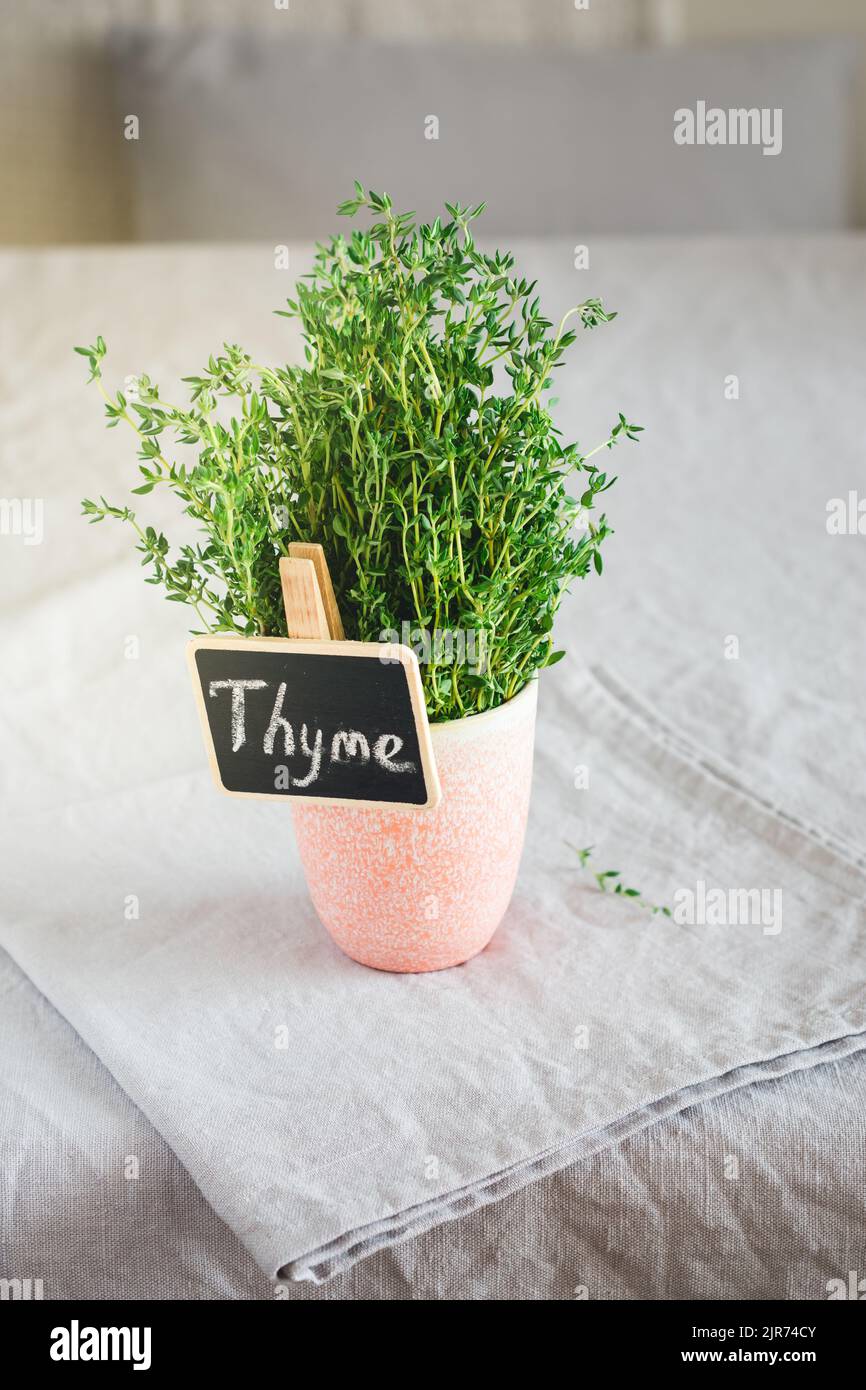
point(347, 746)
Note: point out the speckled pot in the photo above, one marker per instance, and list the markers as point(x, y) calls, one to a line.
point(412, 890)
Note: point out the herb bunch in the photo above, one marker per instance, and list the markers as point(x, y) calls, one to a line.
point(440, 501)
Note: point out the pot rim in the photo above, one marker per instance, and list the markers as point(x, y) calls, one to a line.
point(526, 695)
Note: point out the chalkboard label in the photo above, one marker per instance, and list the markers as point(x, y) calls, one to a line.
point(326, 721)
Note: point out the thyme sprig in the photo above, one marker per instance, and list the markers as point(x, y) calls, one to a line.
point(610, 881)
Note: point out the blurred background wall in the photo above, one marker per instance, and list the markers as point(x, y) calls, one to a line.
point(252, 112)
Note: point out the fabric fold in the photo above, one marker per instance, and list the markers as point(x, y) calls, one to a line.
point(323, 1264)
point(326, 1110)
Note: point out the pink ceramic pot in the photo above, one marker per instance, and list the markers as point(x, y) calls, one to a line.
point(414, 890)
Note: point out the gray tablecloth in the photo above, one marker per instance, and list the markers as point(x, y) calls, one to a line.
point(750, 1195)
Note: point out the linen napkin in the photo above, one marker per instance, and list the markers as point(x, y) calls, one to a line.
point(325, 1109)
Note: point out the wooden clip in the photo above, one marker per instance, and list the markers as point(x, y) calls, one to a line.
point(304, 550)
point(302, 599)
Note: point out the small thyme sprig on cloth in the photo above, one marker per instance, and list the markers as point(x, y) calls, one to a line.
point(610, 881)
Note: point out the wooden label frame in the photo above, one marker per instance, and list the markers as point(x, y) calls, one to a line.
point(373, 651)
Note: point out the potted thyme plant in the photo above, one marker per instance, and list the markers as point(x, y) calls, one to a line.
point(415, 445)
